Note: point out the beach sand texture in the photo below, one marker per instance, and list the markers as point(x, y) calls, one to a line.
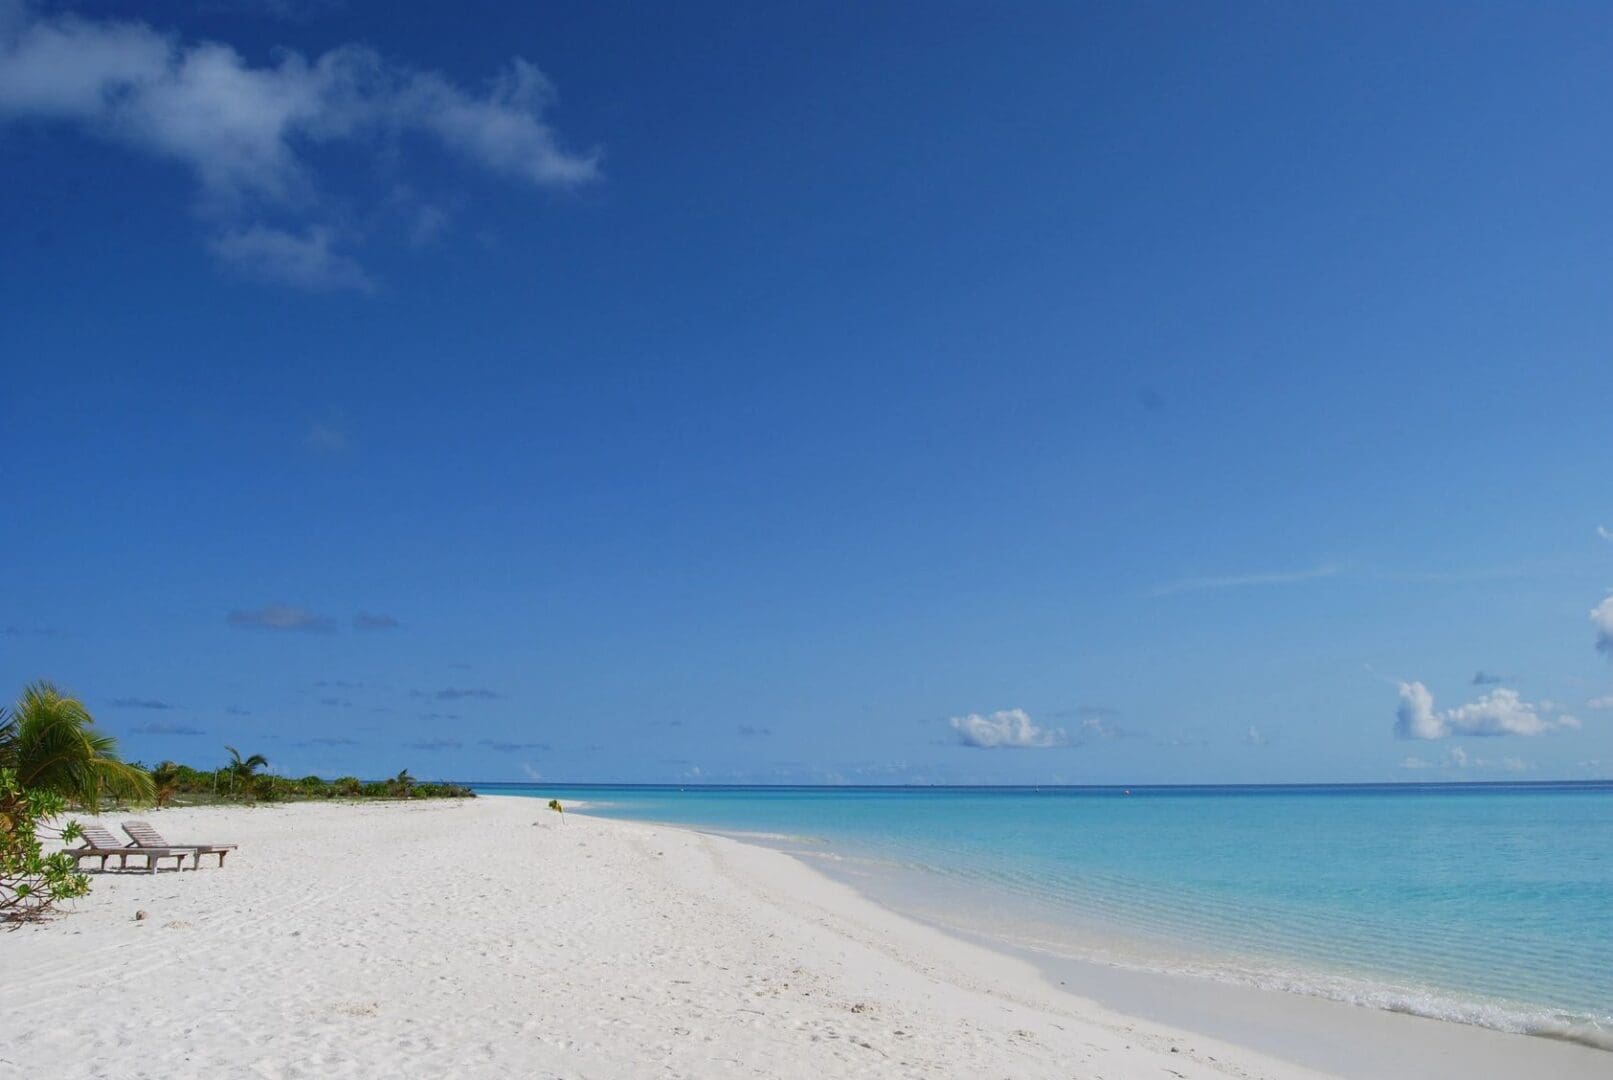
point(491, 938)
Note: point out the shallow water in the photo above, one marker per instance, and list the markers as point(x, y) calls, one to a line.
point(1487, 904)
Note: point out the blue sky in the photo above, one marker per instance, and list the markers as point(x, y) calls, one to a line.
point(852, 393)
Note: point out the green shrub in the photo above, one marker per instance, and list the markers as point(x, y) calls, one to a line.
point(30, 880)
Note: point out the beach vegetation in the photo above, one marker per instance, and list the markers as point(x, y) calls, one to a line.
point(242, 771)
point(247, 779)
point(402, 785)
point(51, 743)
point(30, 880)
point(165, 782)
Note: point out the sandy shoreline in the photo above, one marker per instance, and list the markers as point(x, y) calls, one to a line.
point(489, 938)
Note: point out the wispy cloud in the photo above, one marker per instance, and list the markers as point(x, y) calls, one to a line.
point(1485, 678)
point(1255, 737)
point(1604, 532)
point(281, 617)
point(165, 728)
point(305, 259)
point(329, 740)
point(748, 730)
point(1242, 581)
point(1457, 758)
point(457, 693)
point(254, 136)
point(374, 620)
point(1005, 729)
point(1500, 712)
point(1604, 702)
point(513, 747)
point(325, 438)
point(435, 745)
point(139, 703)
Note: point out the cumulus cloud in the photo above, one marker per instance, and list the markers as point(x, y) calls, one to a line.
point(1602, 619)
point(281, 617)
point(374, 620)
point(1500, 712)
point(1008, 728)
point(250, 135)
point(166, 728)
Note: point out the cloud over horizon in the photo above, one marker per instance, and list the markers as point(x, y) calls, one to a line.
point(1500, 712)
point(1005, 729)
point(249, 134)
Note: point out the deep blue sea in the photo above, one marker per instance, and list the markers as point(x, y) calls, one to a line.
point(1486, 904)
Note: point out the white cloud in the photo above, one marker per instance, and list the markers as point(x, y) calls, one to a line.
point(1255, 737)
point(1500, 712)
point(1604, 702)
point(1602, 619)
point(1604, 532)
point(1238, 581)
point(248, 133)
point(1006, 728)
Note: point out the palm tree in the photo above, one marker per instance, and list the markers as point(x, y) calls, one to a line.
point(51, 742)
point(165, 779)
point(401, 784)
point(242, 770)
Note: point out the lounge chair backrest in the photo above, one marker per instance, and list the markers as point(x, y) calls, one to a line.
point(143, 834)
point(98, 836)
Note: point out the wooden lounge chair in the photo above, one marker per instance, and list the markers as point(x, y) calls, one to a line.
point(145, 837)
point(100, 843)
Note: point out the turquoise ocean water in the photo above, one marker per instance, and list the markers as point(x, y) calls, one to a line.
point(1485, 904)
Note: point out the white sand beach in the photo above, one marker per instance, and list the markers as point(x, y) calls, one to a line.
point(491, 938)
